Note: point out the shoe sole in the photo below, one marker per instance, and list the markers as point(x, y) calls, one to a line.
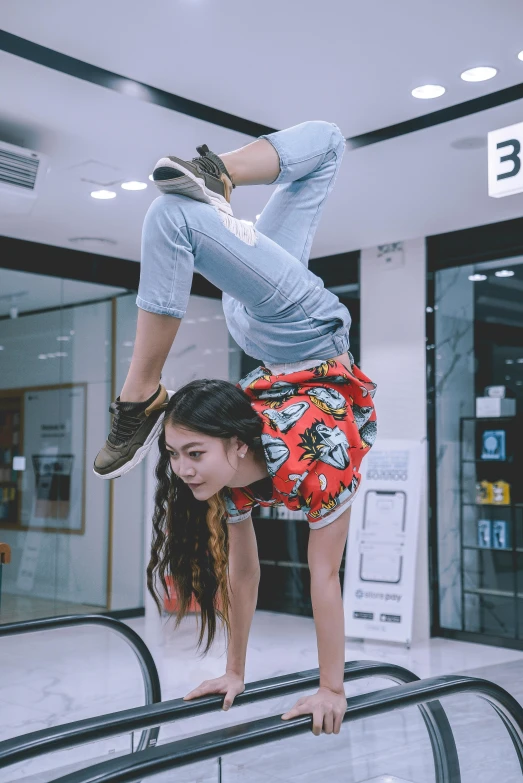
point(140, 454)
point(188, 185)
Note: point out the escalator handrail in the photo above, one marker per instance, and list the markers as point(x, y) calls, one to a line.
point(132, 768)
point(151, 679)
point(69, 735)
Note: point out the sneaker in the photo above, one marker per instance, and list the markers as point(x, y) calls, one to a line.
point(204, 178)
point(134, 429)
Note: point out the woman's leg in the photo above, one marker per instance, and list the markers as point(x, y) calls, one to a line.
point(261, 281)
point(256, 163)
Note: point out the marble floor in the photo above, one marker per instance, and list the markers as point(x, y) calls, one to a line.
point(60, 676)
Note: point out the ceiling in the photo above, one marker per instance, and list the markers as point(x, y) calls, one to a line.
point(277, 64)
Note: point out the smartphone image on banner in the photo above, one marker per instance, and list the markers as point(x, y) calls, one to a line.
point(383, 518)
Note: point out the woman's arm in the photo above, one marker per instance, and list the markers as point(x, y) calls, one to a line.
point(325, 552)
point(244, 578)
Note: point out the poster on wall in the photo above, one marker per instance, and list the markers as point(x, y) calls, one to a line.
point(54, 447)
point(380, 567)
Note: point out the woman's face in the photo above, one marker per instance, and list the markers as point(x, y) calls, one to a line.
point(206, 464)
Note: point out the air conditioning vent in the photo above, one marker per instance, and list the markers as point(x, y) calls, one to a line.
point(20, 170)
point(21, 174)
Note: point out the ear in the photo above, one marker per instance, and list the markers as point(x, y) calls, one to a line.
point(238, 446)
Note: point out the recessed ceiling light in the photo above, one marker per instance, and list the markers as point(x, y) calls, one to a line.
point(509, 361)
point(480, 74)
point(428, 91)
point(103, 194)
point(477, 278)
point(134, 185)
point(520, 56)
point(42, 356)
point(504, 273)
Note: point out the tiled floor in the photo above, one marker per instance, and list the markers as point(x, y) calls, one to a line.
point(53, 678)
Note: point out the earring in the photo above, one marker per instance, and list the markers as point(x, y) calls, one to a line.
point(242, 455)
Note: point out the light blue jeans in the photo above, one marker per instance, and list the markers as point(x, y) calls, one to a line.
point(276, 309)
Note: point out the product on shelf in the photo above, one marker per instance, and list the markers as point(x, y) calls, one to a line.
point(493, 445)
point(484, 534)
point(500, 534)
point(484, 492)
point(501, 493)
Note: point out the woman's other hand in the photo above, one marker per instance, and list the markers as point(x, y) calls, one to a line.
point(229, 684)
point(326, 707)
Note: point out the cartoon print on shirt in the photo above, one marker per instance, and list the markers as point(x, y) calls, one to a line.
point(249, 381)
point(361, 414)
point(368, 434)
point(322, 369)
point(286, 419)
point(327, 444)
point(329, 401)
point(276, 452)
point(280, 392)
point(298, 479)
point(367, 388)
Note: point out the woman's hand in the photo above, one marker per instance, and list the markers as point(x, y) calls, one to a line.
point(230, 684)
point(326, 707)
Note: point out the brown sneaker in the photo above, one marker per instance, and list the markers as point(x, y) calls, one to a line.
point(204, 178)
point(134, 429)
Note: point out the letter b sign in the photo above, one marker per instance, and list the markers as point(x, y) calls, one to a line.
point(505, 161)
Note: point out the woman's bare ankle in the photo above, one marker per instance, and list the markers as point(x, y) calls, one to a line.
point(132, 393)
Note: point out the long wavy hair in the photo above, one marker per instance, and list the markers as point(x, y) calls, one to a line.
point(190, 537)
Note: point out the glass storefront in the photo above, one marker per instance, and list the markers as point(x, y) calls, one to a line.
point(478, 410)
point(56, 358)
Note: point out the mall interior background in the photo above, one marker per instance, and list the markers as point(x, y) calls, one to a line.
point(429, 266)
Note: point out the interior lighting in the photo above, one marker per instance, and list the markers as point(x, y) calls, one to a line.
point(42, 356)
point(504, 273)
point(1, 347)
point(428, 91)
point(480, 74)
point(477, 278)
point(520, 55)
point(103, 194)
point(509, 361)
point(63, 338)
point(134, 185)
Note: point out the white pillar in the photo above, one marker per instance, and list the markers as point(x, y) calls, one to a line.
point(393, 354)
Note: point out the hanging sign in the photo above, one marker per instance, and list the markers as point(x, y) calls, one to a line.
point(505, 158)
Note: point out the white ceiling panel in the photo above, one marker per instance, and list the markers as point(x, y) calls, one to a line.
point(276, 64)
point(280, 63)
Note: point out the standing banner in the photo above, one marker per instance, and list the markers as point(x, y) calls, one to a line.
point(380, 567)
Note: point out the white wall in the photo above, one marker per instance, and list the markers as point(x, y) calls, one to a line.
point(393, 355)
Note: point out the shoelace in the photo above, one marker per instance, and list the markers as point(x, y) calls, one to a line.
point(210, 163)
point(124, 425)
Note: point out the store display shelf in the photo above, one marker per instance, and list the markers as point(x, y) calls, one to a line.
point(494, 505)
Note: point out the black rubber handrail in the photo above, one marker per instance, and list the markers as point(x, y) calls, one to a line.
point(151, 680)
point(59, 737)
point(132, 768)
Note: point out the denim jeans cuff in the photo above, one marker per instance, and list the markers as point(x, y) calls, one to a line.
point(272, 138)
point(143, 304)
